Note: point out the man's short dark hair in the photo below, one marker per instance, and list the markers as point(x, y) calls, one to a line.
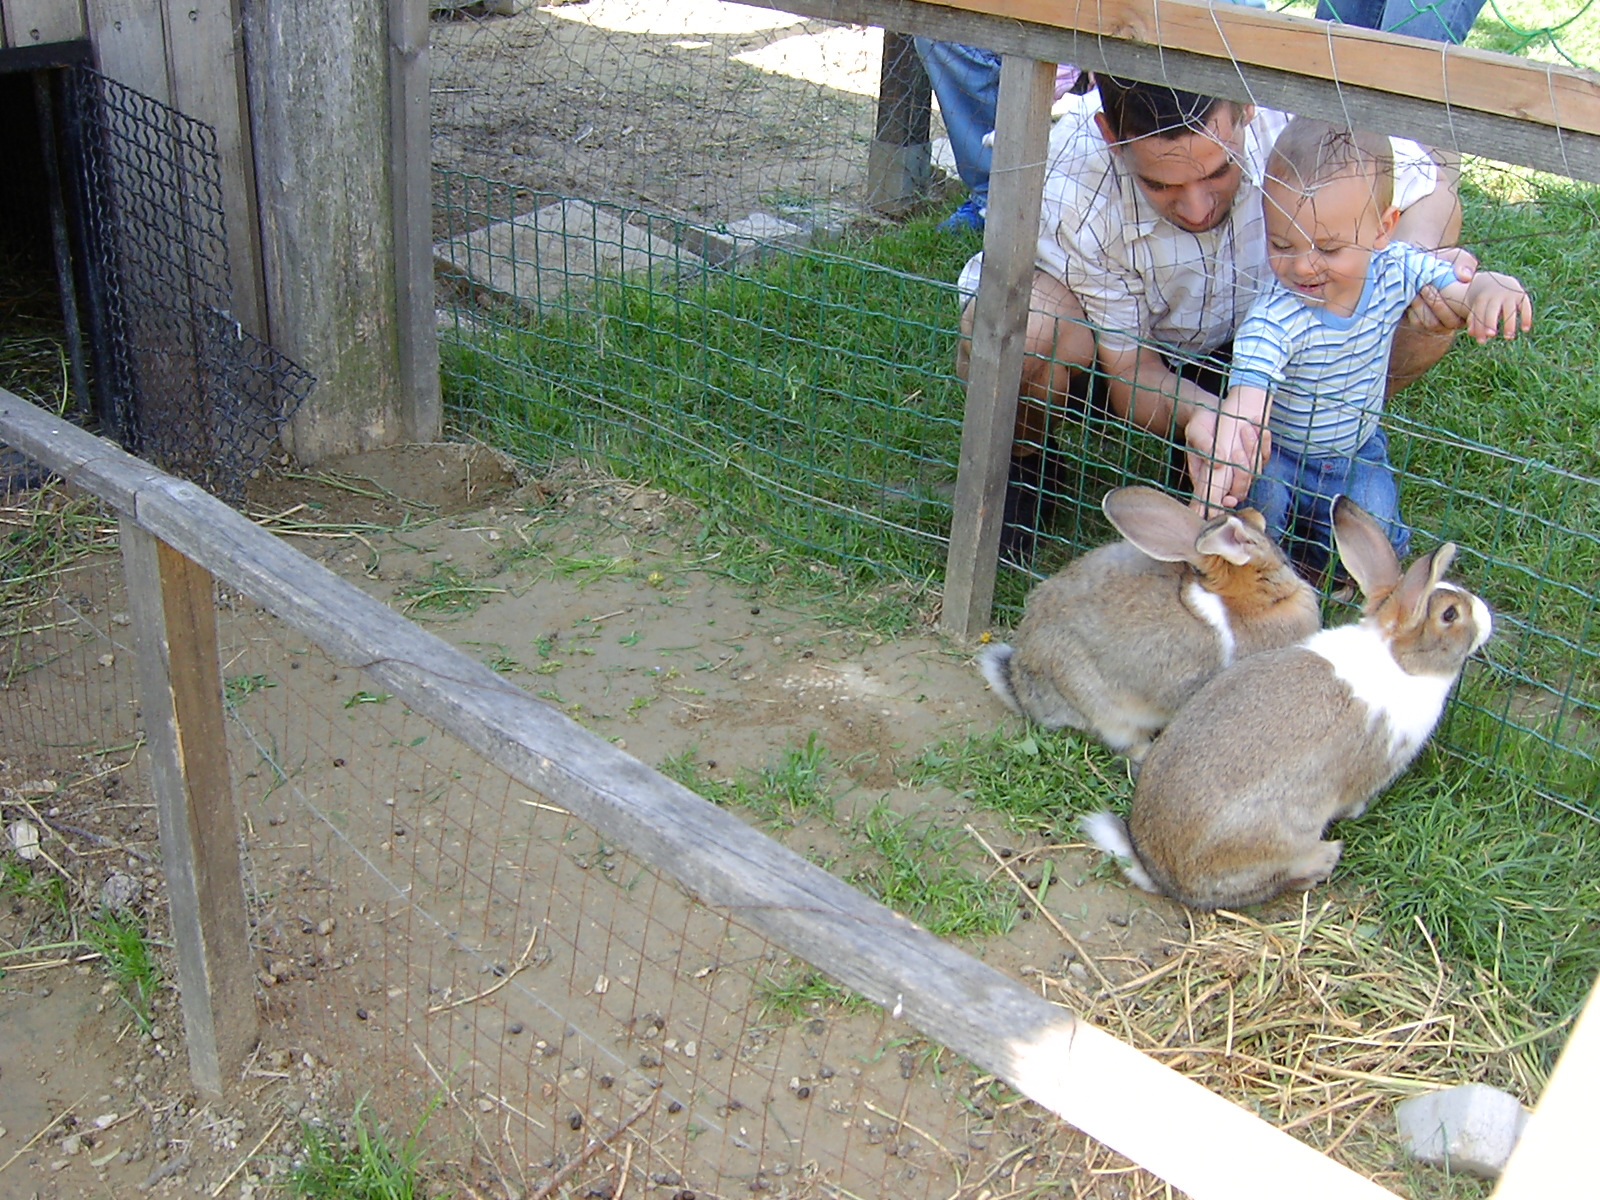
point(1135, 110)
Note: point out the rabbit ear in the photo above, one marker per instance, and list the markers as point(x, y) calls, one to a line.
point(1364, 548)
point(1228, 541)
point(1161, 526)
point(1425, 574)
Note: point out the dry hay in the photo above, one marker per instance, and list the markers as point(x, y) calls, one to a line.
point(1318, 1027)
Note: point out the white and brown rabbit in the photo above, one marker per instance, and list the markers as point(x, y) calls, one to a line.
point(1232, 802)
point(1118, 640)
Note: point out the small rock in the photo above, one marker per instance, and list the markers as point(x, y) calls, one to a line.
point(71, 1144)
point(120, 891)
point(1471, 1129)
point(325, 926)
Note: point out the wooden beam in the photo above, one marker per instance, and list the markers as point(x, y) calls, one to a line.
point(999, 327)
point(171, 600)
point(1108, 1089)
point(422, 415)
point(1555, 1148)
point(1558, 96)
point(1368, 103)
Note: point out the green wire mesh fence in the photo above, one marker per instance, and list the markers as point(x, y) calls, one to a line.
point(809, 394)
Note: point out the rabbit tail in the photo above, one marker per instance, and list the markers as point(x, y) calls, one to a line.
point(994, 661)
point(1107, 831)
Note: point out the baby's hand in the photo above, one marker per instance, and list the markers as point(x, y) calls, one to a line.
point(1497, 303)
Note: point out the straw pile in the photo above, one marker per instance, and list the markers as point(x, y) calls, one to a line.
point(1318, 1028)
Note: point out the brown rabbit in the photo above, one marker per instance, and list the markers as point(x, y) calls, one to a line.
point(1117, 641)
point(1232, 802)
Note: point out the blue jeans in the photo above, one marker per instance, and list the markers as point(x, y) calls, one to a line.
point(1295, 495)
point(967, 82)
point(1439, 20)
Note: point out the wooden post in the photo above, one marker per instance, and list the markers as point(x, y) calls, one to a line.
point(899, 161)
point(1000, 319)
point(174, 616)
point(421, 413)
point(322, 122)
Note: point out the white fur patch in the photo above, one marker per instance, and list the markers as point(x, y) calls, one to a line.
point(992, 660)
point(1107, 831)
point(1208, 606)
point(1408, 705)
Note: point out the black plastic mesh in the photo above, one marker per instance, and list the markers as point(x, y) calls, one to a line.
point(182, 383)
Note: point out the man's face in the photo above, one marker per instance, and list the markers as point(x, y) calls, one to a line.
point(1191, 179)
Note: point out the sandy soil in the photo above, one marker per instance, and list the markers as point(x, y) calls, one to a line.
point(688, 664)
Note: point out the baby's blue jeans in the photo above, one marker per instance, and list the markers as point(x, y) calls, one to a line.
point(1296, 496)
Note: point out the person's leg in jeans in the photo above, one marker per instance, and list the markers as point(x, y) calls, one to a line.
point(1371, 484)
point(1438, 20)
point(966, 79)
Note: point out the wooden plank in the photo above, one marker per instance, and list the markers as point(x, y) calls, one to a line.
point(1491, 134)
point(40, 22)
point(1558, 96)
point(1555, 1148)
point(130, 44)
point(174, 618)
point(1106, 1088)
point(422, 414)
point(1000, 322)
point(205, 64)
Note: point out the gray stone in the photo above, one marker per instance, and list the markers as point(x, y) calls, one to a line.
point(120, 891)
point(1471, 1129)
point(552, 259)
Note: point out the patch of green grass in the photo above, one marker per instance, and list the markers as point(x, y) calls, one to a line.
point(444, 589)
point(125, 950)
point(920, 873)
point(780, 795)
point(1498, 877)
point(795, 992)
point(237, 689)
point(43, 897)
point(358, 1161)
point(1041, 779)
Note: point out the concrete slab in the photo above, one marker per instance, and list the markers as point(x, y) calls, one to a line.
point(551, 259)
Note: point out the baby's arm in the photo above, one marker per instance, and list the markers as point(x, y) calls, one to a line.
point(1227, 446)
point(1491, 303)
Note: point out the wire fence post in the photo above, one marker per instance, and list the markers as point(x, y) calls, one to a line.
point(171, 601)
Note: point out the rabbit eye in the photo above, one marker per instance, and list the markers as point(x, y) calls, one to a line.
point(1450, 614)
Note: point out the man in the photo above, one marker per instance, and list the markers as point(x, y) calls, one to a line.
point(1151, 250)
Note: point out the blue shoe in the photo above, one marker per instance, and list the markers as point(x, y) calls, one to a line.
point(967, 218)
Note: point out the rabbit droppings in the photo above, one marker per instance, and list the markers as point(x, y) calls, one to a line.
point(1232, 802)
point(1120, 638)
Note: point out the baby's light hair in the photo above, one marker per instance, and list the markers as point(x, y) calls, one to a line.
point(1310, 153)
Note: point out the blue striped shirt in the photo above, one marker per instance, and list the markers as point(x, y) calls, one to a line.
point(1326, 373)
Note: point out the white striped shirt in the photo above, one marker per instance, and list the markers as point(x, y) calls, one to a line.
point(1326, 373)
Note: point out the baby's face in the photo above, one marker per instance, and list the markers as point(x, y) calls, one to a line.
point(1319, 242)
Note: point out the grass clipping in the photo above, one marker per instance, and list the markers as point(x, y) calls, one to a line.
point(1318, 1027)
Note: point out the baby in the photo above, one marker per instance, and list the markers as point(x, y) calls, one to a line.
point(1310, 360)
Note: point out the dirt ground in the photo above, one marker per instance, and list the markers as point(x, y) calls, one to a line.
point(693, 109)
point(91, 1107)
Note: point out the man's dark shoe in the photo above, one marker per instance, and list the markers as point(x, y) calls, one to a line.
point(1024, 507)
